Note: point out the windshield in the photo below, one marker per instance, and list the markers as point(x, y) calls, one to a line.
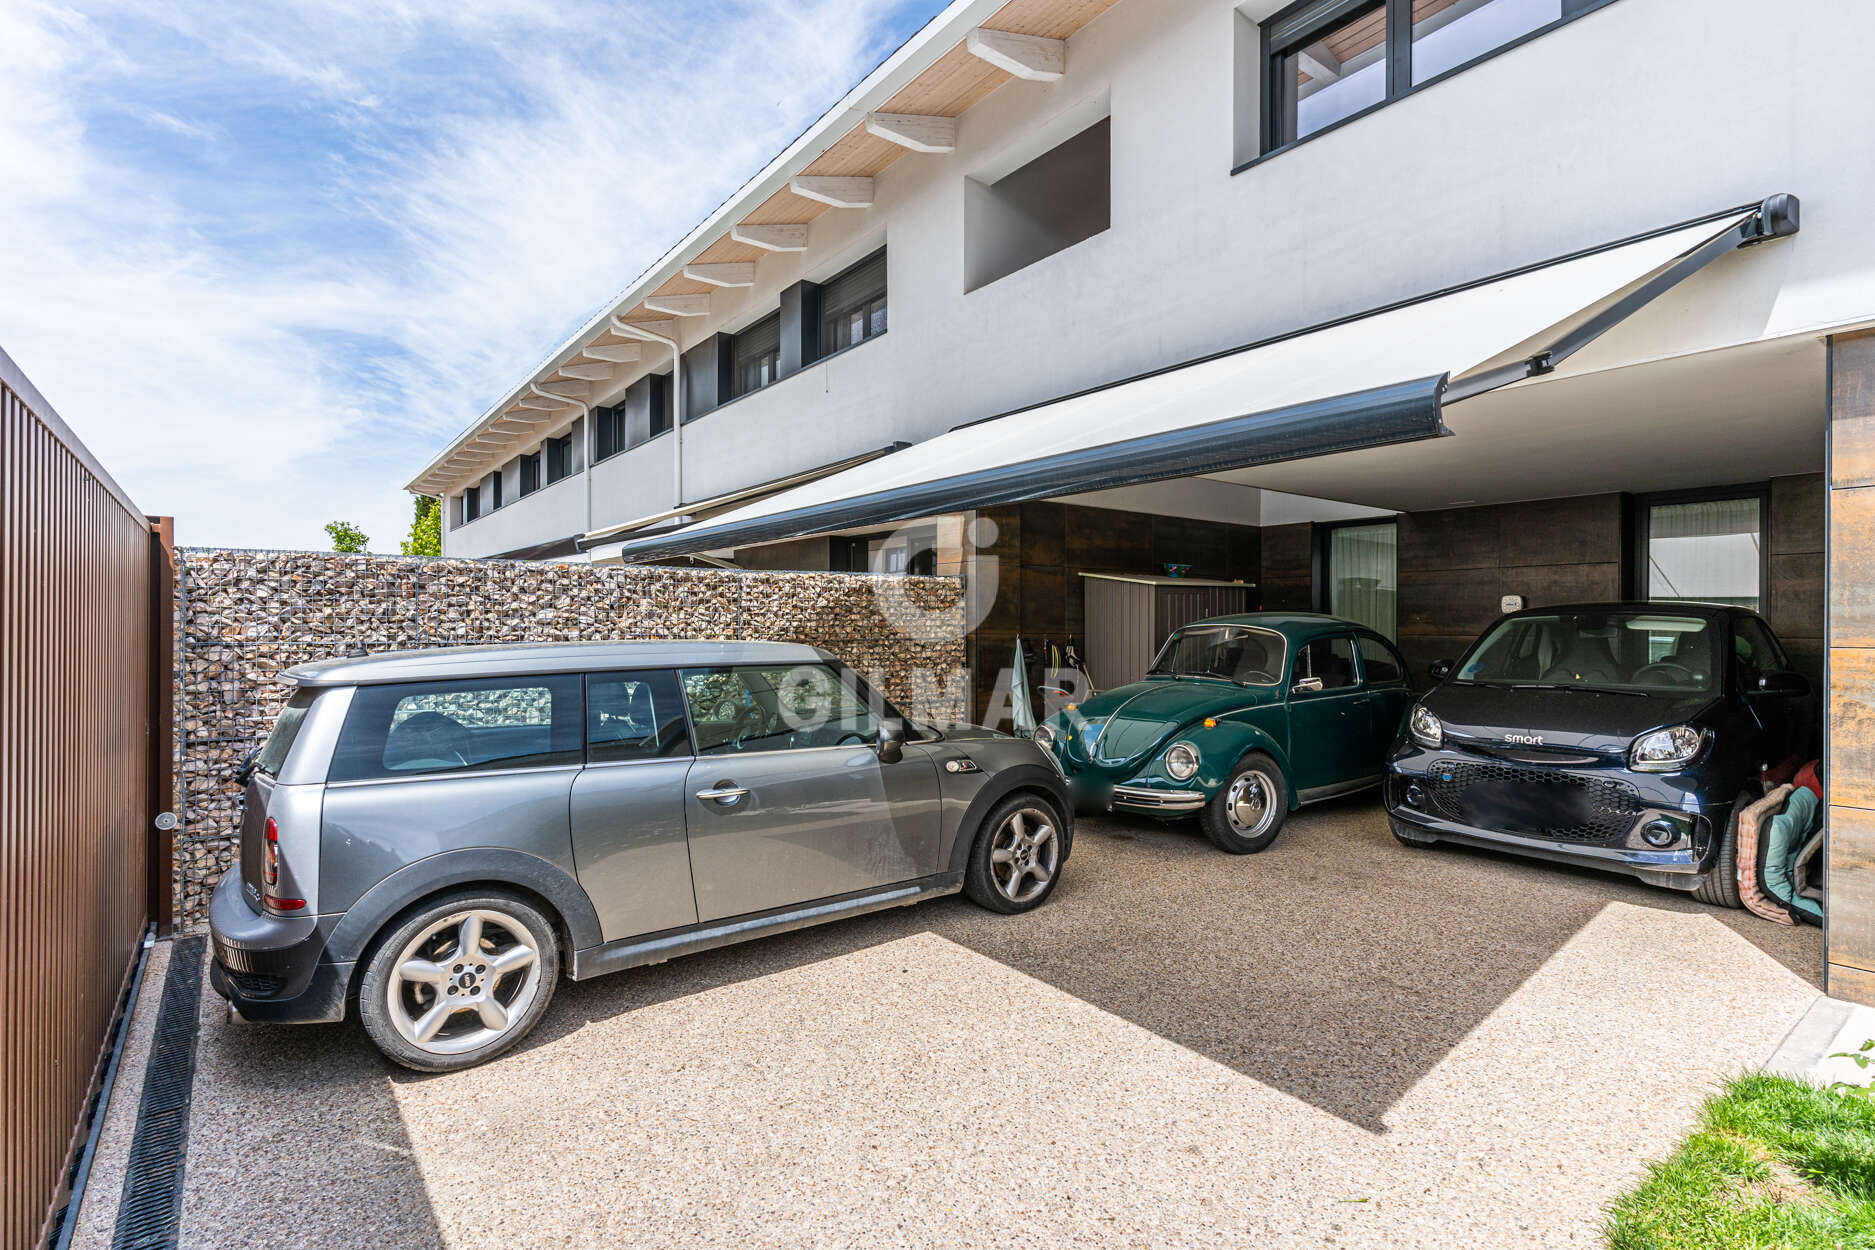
point(1232, 652)
point(1633, 650)
point(285, 729)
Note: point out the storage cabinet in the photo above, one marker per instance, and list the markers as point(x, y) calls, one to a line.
point(1128, 617)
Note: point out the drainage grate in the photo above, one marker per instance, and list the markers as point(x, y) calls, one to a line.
point(152, 1204)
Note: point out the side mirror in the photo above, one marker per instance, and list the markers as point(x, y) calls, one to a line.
point(1308, 685)
point(1439, 670)
point(891, 742)
point(1786, 684)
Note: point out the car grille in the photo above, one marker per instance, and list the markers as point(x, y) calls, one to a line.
point(1534, 802)
point(254, 984)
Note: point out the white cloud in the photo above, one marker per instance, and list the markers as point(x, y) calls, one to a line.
point(266, 259)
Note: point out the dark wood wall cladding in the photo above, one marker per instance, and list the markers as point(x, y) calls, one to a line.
point(1850, 637)
point(1456, 564)
point(76, 787)
point(800, 554)
point(1287, 584)
point(1040, 550)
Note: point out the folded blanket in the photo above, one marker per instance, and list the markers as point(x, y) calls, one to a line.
point(1751, 823)
point(1784, 837)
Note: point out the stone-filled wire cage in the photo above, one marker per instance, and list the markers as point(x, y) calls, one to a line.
point(245, 617)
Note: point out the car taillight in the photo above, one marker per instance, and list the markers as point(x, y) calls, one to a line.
point(270, 873)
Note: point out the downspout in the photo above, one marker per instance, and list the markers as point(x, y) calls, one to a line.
point(585, 438)
point(630, 331)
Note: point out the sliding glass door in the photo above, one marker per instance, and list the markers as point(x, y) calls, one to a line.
point(1360, 574)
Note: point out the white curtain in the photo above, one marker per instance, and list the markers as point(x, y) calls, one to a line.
point(1704, 551)
point(1363, 575)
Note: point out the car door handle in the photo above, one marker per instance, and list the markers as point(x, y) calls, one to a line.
point(723, 794)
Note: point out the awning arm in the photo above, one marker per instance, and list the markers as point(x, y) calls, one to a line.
point(1776, 218)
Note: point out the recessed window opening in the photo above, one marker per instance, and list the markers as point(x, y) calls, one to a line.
point(1706, 551)
point(758, 355)
point(852, 305)
point(1362, 575)
point(1060, 198)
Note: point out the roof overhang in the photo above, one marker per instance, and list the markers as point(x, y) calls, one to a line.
point(1378, 378)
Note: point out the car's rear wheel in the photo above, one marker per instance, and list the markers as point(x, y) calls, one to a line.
point(1249, 809)
point(459, 981)
point(1720, 886)
point(1016, 860)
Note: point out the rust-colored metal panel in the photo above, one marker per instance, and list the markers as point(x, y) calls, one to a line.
point(75, 748)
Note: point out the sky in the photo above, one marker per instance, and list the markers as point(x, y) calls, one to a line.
point(266, 259)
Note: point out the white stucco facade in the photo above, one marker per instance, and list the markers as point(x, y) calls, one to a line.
point(1635, 116)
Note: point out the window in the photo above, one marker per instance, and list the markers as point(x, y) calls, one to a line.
point(1233, 652)
point(1381, 664)
point(758, 355)
point(1704, 550)
point(471, 504)
point(422, 728)
point(530, 473)
point(608, 432)
point(1626, 649)
point(1060, 198)
point(634, 716)
point(285, 730)
point(660, 404)
point(1757, 652)
point(1359, 577)
point(1329, 661)
point(559, 453)
point(776, 708)
point(494, 490)
point(1329, 60)
point(852, 305)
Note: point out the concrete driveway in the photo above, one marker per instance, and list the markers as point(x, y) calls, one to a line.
point(1340, 1041)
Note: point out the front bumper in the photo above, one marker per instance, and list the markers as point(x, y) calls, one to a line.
point(269, 967)
point(1679, 867)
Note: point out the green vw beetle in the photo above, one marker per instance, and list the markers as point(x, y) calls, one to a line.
point(1241, 719)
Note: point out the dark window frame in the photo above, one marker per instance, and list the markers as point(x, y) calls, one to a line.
point(609, 432)
point(831, 314)
point(558, 456)
point(471, 503)
point(759, 330)
point(1634, 576)
point(1307, 20)
point(529, 474)
point(1320, 585)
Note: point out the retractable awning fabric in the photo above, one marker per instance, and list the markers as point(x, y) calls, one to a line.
point(1378, 378)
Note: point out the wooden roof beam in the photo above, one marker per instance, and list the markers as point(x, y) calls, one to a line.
point(617, 353)
point(666, 329)
point(1026, 56)
point(732, 273)
point(914, 131)
point(839, 192)
point(679, 305)
point(587, 373)
point(778, 238)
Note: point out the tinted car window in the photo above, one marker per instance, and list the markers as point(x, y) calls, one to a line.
point(634, 716)
point(1381, 663)
point(459, 726)
point(285, 730)
point(779, 707)
point(1236, 652)
point(1757, 652)
point(1628, 649)
point(1329, 661)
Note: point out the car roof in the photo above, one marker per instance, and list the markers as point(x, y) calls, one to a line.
point(524, 659)
point(1293, 625)
point(1683, 608)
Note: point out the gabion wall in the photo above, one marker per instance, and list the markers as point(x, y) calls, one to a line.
point(244, 617)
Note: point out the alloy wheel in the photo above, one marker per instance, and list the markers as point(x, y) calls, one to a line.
point(1024, 855)
point(463, 982)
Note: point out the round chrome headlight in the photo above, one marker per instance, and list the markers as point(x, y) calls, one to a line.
point(1181, 761)
point(1425, 727)
point(1044, 737)
point(1665, 750)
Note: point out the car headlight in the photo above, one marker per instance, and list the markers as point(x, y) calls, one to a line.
point(1045, 737)
point(1425, 727)
point(1665, 750)
point(1181, 761)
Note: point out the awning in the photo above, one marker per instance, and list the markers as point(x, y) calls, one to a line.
point(1378, 378)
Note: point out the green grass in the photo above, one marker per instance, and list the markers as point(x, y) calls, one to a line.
point(1773, 1163)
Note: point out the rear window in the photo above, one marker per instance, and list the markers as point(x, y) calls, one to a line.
point(423, 728)
point(285, 730)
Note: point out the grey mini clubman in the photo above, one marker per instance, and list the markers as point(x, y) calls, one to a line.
point(438, 836)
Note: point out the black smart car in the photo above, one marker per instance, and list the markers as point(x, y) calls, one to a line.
point(1624, 736)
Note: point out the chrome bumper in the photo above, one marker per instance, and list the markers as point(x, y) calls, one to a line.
point(1141, 799)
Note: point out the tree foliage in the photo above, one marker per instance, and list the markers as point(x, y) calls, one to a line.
point(347, 538)
point(426, 529)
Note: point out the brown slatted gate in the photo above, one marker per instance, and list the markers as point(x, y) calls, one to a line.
point(79, 714)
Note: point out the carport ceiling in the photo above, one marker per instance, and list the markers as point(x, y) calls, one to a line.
point(1737, 415)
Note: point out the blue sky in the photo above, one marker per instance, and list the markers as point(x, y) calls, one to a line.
point(267, 258)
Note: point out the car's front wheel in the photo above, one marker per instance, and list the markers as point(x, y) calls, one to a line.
point(1249, 809)
point(459, 981)
point(1017, 857)
point(1720, 886)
